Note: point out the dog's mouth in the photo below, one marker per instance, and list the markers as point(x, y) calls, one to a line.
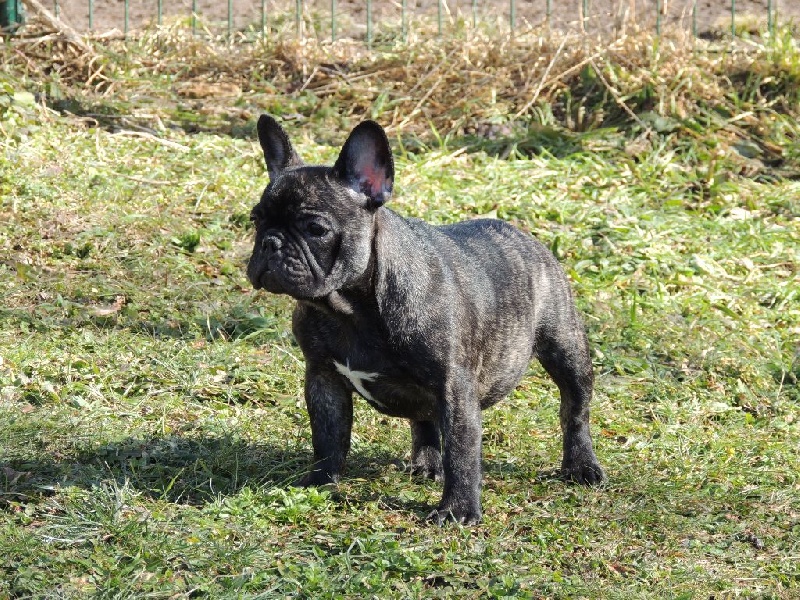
point(270, 273)
point(269, 281)
point(276, 282)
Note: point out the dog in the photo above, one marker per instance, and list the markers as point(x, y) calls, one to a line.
point(429, 323)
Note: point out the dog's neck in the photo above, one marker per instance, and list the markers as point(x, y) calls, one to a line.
point(355, 297)
point(338, 303)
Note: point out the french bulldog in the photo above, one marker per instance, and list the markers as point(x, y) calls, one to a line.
point(429, 323)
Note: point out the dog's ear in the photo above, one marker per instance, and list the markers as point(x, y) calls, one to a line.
point(366, 164)
point(278, 151)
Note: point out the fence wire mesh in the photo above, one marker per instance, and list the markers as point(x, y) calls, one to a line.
point(371, 19)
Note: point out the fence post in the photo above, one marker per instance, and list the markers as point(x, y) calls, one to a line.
point(548, 12)
point(733, 18)
point(770, 23)
point(404, 20)
point(369, 23)
point(230, 20)
point(333, 20)
point(194, 17)
point(512, 16)
point(584, 15)
point(263, 19)
point(298, 11)
point(658, 17)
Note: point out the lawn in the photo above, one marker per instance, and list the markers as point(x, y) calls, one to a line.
point(151, 410)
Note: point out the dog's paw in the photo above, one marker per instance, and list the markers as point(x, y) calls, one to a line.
point(429, 465)
point(442, 516)
point(428, 471)
point(315, 479)
point(467, 516)
point(586, 473)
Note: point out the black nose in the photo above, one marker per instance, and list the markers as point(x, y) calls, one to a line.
point(271, 243)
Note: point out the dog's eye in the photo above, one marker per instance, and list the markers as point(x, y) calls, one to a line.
point(316, 229)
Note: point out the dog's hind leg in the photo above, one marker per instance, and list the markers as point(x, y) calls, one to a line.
point(426, 450)
point(567, 360)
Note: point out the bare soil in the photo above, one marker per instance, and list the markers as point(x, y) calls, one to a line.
point(608, 16)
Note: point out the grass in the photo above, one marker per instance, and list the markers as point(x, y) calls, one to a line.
point(151, 403)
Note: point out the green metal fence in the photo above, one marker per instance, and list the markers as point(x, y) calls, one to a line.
point(11, 15)
point(221, 17)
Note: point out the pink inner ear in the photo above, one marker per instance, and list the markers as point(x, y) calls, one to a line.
point(373, 177)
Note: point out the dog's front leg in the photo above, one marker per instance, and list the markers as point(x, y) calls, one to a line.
point(460, 415)
point(330, 410)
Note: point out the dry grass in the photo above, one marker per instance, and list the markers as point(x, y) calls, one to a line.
point(453, 85)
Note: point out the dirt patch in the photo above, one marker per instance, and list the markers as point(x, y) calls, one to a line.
point(612, 16)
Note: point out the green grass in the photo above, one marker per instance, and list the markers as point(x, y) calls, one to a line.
point(151, 408)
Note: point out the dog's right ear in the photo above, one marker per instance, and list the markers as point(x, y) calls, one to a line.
point(366, 164)
point(278, 152)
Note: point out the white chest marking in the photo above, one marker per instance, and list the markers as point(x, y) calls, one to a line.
point(357, 378)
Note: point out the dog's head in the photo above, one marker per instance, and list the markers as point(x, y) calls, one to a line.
point(314, 225)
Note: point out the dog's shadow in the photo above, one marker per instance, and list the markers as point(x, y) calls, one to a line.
point(176, 469)
point(199, 470)
point(183, 470)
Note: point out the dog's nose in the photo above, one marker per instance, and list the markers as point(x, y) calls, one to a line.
point(271, 243)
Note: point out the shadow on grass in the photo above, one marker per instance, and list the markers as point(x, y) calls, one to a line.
point(176, 469)
point(496, 139)
point(118, 116)
point(507, 141)
point(257, 326)
point(196, 471)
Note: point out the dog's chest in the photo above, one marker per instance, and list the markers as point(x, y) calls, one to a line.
point(358, 379)
point(391, 381)
point(387, 388)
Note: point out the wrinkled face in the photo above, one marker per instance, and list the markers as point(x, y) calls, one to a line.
point(313, 235)
point(314, 225)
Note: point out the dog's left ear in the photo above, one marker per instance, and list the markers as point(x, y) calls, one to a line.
point(366, 164)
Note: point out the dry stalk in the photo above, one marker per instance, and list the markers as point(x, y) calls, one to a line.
point(67, 32)
point(528, 105)
point(618, 98)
